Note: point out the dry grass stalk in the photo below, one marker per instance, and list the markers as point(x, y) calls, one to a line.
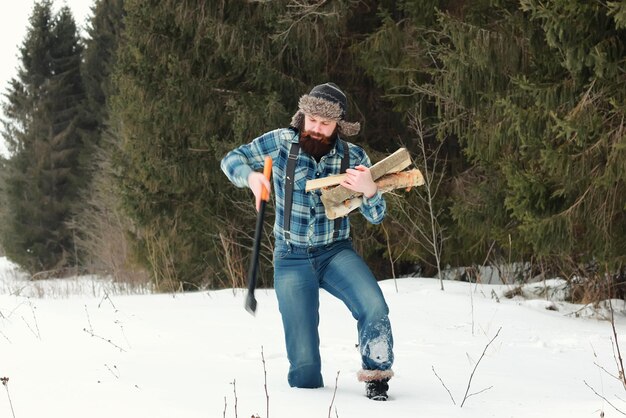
point(330, 408)
point(444, 386)
point(233, 260)
point(235, 394)
point(5, 383)
point(267, 396)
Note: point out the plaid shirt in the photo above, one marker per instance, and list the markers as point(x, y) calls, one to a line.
point(309, 225)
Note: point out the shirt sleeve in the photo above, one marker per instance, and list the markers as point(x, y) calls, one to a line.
point(373, 208)
point(240, 162)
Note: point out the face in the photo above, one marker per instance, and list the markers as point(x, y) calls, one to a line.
point(315, 125)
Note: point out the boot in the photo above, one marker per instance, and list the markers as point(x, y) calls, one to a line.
point(377, 389)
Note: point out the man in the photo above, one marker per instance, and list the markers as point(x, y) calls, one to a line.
point(311, 251)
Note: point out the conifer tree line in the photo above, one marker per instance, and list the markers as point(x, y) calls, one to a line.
point(116, 137)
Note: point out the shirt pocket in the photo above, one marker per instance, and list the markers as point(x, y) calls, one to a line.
point(300, 178)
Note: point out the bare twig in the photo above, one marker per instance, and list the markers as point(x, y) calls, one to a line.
point(444, 386)
point(479, 392)
point(15, 309)
point(477, 281)
point(471, 303)
point(235, 393)
point(119, 323)
point(88, 319)
point(30, 328)
point(267, 396)
point(36, 331)
point(235, 273)
point(433, 177)
point(421, 222)
point(5, 383)
point(330, 408)
point(393, 270)
point(606, 371)
point(113, 372)
point(107, 297)
point(104, 339)
point(618, 360)
point(469, 383)
point(603, 398)
point(225, 406)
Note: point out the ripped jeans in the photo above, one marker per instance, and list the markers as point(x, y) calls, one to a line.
point(299, 273)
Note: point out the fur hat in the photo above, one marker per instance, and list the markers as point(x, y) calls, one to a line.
point(329, 102)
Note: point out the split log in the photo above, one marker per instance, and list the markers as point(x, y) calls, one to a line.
point(402, 180)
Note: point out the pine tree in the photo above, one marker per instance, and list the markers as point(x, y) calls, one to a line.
point(103, 37)
point(99, 224)
point(44, 109)
point(535, 92)
point(3, 202)
point(527, 98)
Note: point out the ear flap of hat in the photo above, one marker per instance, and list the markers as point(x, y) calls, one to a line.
point(348, 128)
point(297, 121)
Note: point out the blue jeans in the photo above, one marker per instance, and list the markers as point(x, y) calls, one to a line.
point(299, 273)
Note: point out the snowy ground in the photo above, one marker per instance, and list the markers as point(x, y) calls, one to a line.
point(86, 348)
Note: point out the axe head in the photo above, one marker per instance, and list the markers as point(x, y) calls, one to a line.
point(251, 303)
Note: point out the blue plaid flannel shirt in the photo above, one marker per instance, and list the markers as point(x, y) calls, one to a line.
point(309, 225)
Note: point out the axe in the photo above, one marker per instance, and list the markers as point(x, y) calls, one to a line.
point(254, 261)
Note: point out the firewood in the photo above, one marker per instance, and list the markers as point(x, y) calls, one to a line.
point(397, 161)
point(401, 180)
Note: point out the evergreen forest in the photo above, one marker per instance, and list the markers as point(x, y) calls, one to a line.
point(514, 110)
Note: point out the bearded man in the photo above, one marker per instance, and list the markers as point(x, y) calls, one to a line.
point(312, 252)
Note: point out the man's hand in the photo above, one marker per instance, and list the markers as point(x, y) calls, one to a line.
point(359, 179)
point(257, 182)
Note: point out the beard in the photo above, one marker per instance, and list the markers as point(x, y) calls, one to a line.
point(317, 145)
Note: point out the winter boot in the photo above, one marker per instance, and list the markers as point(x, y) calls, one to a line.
point(377, 389)
point(376, 383)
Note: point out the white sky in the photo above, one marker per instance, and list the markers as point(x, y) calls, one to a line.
point(13, 23)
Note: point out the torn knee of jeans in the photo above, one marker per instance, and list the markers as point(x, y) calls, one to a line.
point(378, 350)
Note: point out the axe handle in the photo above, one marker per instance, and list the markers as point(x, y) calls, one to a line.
point(254, 260)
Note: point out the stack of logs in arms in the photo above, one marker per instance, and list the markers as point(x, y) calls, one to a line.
point(339, 201)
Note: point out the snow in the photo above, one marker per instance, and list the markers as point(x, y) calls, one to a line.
point(88, 347)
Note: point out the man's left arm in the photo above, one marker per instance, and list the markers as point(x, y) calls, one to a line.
point(359, 179)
